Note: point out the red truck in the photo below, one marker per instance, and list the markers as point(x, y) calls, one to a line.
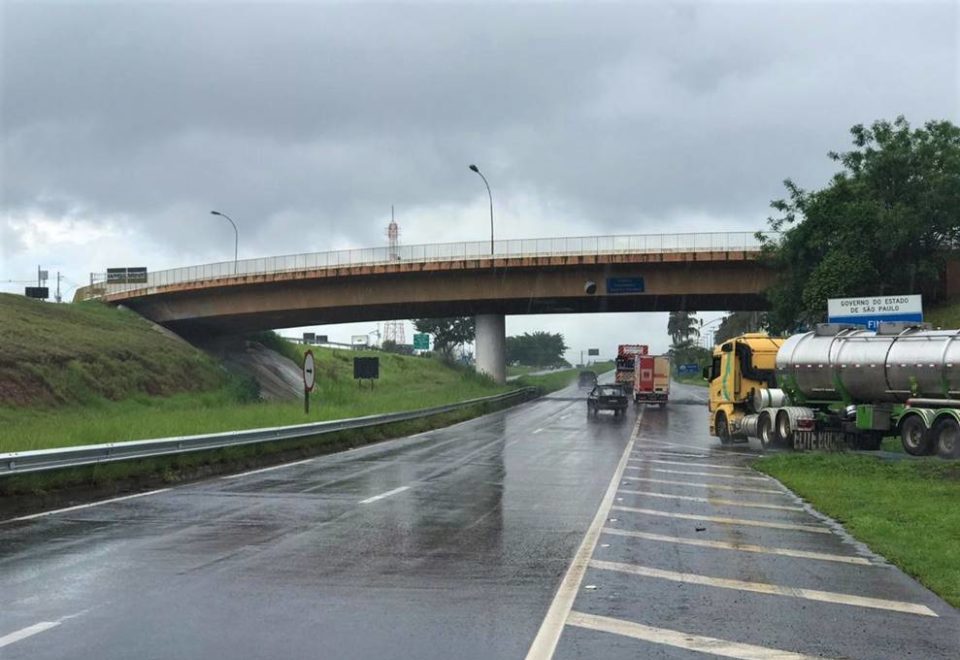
point(626, 358)
point(651, 383)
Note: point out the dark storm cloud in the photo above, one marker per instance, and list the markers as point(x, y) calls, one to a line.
point(304, 118)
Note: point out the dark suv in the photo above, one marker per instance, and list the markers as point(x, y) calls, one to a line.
point(607, 397)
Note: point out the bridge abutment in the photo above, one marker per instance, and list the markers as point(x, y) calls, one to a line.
point(492, 346)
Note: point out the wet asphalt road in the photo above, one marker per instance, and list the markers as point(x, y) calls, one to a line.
point(453, 543)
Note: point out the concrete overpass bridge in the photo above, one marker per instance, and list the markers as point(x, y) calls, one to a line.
point(642, 273)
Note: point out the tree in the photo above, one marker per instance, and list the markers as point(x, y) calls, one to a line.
point(738, 323)
point(682, 326)
point(881, 226)
point(448, 333)
point(540, 349)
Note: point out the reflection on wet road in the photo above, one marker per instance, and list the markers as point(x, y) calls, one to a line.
point(586, 538)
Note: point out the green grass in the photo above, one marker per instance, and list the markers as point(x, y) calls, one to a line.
point(944, 315)
point(519, 369)
point(905, 510)
point(406, 383)
point(55, 355)
point(691, 380)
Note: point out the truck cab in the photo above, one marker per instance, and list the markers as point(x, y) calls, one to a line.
point(740, 366)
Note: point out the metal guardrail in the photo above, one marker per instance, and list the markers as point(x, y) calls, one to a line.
point(14, 463)
point(431, 252)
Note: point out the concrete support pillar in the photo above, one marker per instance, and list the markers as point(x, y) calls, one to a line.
point(492, 346)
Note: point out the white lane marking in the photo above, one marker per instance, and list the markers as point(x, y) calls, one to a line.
point(269, 469)
point(29, 631)
point(710, 500)
point(665, 453)
point(699, 484)
point(537, 431)
point(384, 495)
point(83, 506)
point(746, 522)
point(743, 547)
point(715, 466)
point(704, 474)
point(545, 643)
point(766, 588)
point(675, 638)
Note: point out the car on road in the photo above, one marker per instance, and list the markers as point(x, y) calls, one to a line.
point(587, 379)
point(607, 397)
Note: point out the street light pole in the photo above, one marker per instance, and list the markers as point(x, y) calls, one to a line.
point(236, 237)
point(490, 195)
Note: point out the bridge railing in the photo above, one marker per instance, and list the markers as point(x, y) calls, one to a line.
point(533, 247)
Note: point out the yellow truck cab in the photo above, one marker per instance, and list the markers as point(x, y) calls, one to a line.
point(740, 367)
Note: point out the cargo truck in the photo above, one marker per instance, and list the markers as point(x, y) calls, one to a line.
point(651, 383)
point(840, 385)
point(626, 358)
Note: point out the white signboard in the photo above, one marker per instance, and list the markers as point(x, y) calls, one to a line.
point(358, 340)
point(871, 310)
point(309, 371)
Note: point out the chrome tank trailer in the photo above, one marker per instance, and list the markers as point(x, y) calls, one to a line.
point(891, 365)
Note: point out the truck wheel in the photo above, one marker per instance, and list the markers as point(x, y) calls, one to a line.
point(915, 437)
point(723, 429)
point(765, 431)
point(947, 434)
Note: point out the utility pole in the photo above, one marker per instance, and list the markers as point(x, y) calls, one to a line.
point(57, 297)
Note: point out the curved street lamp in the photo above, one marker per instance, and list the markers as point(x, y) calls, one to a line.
point(490, 195)
point(236, 237)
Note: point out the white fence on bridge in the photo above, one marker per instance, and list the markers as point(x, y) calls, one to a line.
point(508, 248)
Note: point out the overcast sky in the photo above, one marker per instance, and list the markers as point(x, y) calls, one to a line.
point(124, 124)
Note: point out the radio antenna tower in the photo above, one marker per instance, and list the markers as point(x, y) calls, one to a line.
point(393, 330)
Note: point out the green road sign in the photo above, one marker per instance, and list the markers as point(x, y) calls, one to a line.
point(421, 341)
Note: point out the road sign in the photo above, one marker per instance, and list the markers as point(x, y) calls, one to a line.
point(129, 275)
point(366, 368)
point(309, 373)
point(421, 341)
point(309, 337)
point(593, 351)
point(688, 369)
point(38, 292)
point(870, 310)
point(358, 340)
point(625, 285)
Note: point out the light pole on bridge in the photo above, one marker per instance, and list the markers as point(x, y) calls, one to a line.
point(490, 195)
point(236, 237)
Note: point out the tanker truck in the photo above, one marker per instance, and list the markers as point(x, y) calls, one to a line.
point(840, 385)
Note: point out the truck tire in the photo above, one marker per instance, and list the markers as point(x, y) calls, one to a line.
point(766, 431)
point(916, 437)
point(947, 434)
point(783, 432)
point(722, 429)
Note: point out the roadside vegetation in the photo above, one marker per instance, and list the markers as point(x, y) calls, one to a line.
point(905, 510)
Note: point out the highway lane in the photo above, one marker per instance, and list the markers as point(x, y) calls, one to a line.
point(697, 555)
point(586, 539)
point(446, 544)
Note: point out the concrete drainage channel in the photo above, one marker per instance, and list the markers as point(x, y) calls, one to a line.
point(44, 460)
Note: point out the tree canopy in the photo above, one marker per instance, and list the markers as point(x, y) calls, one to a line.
point(682, 327)
point(540, 349)
point(448, 333)
point(881, 226)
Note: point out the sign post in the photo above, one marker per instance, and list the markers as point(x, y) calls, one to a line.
point(309, 377)
point(869, 311)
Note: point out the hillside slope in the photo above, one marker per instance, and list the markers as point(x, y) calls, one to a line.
point(51, 355)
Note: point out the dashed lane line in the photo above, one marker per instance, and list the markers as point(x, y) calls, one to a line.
point(682, 640)
point(710, 500)
point(742, 547)
point(702, 474)
point(699, 484)
point(714, 466)
point(381, 496)
point(269, 469)
point(722, 520)
point(545, 643)
point(68, 509)
point(29, 631)
point(766, 588)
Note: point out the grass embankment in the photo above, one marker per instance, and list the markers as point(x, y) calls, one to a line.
point(905, 510)
point(691, 380)
point(557, 380)
point(406, 383)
